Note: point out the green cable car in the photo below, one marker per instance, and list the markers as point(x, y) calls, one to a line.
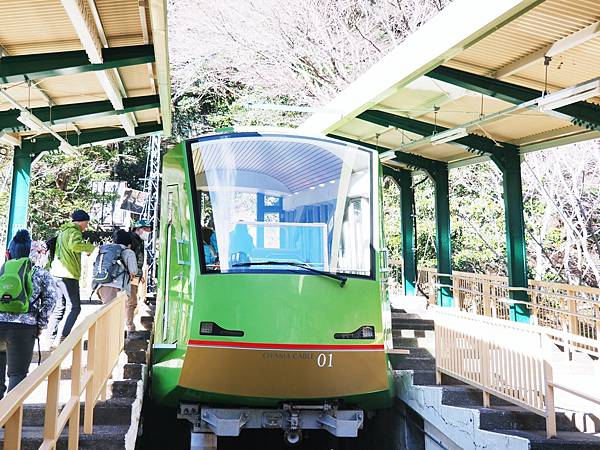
point(271, 306)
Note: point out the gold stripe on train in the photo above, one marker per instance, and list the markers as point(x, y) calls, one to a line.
point(284, 374)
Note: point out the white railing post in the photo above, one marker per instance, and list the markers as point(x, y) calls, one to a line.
point(484, 351)
point(549, 401)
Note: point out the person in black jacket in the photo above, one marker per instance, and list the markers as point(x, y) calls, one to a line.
point(140, 232)
point(18, 331)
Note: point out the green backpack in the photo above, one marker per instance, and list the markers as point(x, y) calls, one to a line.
point(16, 286)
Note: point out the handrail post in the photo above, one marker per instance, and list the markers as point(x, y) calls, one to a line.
point(88, 413)
point(573, 320)
point(487, 309)
point(438, 352)
point(432, 280)
point(549, 401)
point(597, 323)
point(51, 410)
point(75, 393)
point(12, 430)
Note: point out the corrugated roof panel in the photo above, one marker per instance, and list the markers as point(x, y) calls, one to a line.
point(36, 26)
point(83, 87)
point(542, 26)
point(136, 78)
point(120, 19)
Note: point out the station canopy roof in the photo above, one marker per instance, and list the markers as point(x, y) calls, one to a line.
point(76, 72)
point(480, 79)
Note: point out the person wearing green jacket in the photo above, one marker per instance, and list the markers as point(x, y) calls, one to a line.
point(66, 270)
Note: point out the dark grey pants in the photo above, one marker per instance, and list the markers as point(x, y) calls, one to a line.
point(70, 296)
point(19, 341)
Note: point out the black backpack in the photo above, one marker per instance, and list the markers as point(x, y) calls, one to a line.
point(51, 246)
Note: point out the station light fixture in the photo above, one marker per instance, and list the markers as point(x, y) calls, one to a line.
point(8, 139)
point(386, 156)
point(31, 121)
point(67, 149)
point(569, 96)
point(448, 136)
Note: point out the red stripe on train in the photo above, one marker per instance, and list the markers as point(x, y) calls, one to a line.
point(259, 345)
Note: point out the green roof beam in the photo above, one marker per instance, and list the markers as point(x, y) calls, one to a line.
point(473, 143)
point(15, 69)
point(409, 159)
point(583, 114)
point(77, 111)
point(48, 142)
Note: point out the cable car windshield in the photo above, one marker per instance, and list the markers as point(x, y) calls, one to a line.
point(274, 198)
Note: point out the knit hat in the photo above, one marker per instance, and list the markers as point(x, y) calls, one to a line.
point(123, 237)
point(142, 223)
point(20, 246)
point(79, 215)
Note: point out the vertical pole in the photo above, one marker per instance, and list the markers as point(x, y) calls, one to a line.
point(516, 249)
point(442, 224)
point(407, 202)
point(19, 193)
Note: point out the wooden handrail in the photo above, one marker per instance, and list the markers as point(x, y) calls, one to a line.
point(520, 375)
point(572, 311)
point(105, 330)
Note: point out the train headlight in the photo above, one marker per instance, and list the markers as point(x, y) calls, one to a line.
point(213, 329)
point(206, 327)
point(364, 332)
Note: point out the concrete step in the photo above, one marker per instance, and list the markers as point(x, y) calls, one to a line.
point(466, 396)
point(417, 352)
point(139, 335)
point(400, 332)
point(115, 411)
point(405, 316)
point(417, 324)
point(124, 388)
point(136, 356)
point(132, 371)
point(515, 418)
point(104, 437)
point(423, 377)
point(565, 440)
point(413, 342)
point(412, 362)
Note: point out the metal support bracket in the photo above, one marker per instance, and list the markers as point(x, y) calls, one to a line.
point(291, 418)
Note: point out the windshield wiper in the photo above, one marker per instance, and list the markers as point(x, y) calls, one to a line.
point(342, 279)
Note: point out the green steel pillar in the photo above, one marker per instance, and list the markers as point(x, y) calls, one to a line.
point(407, 203)
point(442, 222)
point(19, 193)
point(516, 249)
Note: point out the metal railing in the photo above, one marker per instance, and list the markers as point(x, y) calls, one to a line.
point(573, 311)
point(502, 358)
point(104, 330)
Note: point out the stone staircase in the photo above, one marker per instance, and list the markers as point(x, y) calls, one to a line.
point(116, 419)
point(458, 408)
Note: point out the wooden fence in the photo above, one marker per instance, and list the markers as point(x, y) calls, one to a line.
point(104, 330)
point(478, 352)
point(574, 311)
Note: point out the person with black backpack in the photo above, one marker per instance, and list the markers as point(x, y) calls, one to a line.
point(114, 267)
point(27, 297)
point(66, 270)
